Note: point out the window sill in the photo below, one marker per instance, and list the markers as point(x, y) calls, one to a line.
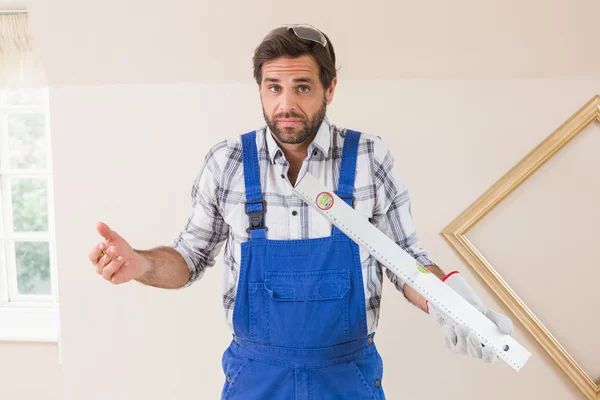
point(29, 325)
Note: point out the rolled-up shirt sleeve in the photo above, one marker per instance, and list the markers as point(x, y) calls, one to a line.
point(392, 214)
point(205, 231)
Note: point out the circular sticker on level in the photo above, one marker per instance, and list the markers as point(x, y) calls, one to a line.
point(423, 270)
point(325, 201)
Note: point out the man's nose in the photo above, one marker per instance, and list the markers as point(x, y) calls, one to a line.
point(288, 102)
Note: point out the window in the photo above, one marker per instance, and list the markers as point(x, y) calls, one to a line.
point(28, 281)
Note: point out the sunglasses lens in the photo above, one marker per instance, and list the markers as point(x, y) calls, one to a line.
point(275, 32)
point(310, 33)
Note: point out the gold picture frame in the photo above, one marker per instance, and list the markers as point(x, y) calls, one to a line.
point(455, 232)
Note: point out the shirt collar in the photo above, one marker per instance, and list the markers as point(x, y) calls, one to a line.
point(321, 142)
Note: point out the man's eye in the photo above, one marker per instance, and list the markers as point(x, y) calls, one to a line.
point(304, 87)
point(274, 87)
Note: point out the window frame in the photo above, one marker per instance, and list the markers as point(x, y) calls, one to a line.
point(26, 317)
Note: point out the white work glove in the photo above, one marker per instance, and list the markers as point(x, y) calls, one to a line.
point(459, 338)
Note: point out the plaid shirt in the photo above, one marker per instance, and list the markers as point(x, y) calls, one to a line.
point(218, 215)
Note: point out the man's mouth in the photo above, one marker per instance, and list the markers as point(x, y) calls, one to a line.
point(289, 121)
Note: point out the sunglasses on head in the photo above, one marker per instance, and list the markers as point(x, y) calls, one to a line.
point(303, 31)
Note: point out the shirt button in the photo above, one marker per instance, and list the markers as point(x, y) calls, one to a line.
point(377, 383)
point(235, 339)
point(370, 340)
point(229, 379)
point(294, 213)
point(282, 176)
point(314, 153)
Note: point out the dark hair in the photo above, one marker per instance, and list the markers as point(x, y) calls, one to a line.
point(291, 46)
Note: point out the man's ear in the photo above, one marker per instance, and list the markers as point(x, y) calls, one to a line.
point(330, 92)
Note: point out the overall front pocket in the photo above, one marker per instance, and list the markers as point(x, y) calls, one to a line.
point(304, 309)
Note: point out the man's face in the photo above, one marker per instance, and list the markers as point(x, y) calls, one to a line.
point(293, 99)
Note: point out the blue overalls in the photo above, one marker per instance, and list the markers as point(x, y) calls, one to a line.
point(299, 317)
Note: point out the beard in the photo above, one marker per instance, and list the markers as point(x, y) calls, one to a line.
point(307, 128)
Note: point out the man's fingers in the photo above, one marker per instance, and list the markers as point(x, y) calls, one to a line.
point(103, 262)
point(477, 350)
point(488, 355)
point(112, 267)
point(449, 337)
point(461, 338)
point(502, 321)
point(474, 347)
point(121, 276)
point(96, 253)
point(105, 258)
point(104, 230)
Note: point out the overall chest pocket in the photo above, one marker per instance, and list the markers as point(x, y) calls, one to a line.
point(300, 309)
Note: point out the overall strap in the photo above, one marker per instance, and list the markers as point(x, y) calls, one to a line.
point(255, 205)
point(348, 170)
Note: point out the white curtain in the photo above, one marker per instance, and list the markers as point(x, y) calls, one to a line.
point(20, 60)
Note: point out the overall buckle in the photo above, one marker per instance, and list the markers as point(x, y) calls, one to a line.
point(256, 217)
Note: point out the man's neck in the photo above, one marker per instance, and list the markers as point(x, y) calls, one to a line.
point(295, 154)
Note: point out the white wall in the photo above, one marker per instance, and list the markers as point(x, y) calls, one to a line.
point(135, 106)
point(30, 371)
point(139, 41)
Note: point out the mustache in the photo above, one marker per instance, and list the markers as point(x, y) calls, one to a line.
point(288, 116)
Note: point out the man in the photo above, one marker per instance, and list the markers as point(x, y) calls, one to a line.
point(301, 298)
